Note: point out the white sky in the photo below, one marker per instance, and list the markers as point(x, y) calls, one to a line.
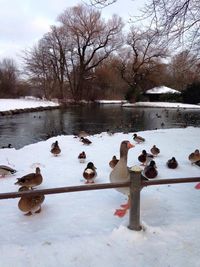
point(80, 229)
point(23, 22)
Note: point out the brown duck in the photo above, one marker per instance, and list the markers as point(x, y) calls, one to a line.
point(155, 150)
point(172, 163)
point(138, 139)
point(195, 156)
point(113, 162)
point(85, 141)
point(30, 204)
point(150, 170)
point(82, 157)
point(90, 173)
point(145, 157)
point(55, 149)
point(30, 180)
point(120, 173)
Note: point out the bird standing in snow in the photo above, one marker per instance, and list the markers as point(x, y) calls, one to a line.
point(82, 157)
point(5, 170)
point(55, 149)
point(30, 180)
point(138, 139)
point(120, 173)
point(90, 173)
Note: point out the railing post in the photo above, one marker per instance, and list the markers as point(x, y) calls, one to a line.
point(135, 188)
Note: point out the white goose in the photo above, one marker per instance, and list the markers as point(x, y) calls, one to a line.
point(120, 173)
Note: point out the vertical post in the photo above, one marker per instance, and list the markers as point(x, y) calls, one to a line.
point(135, 188)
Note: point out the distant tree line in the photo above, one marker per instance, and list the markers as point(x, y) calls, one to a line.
point(87, 57)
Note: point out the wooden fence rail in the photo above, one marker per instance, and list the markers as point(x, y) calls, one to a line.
point(135, 184)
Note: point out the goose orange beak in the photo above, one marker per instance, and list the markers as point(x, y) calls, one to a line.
point(130, 145)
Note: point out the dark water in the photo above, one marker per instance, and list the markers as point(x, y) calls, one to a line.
point(22, 129)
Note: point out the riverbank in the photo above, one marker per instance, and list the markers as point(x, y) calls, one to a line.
point(28, 104)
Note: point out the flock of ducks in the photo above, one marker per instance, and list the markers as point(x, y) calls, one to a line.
point(119, 173)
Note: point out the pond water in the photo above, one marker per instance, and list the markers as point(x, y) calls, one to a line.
point(26, 128)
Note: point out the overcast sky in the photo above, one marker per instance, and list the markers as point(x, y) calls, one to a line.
point(23, 22)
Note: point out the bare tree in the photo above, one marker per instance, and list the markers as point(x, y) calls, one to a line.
point(90, 41)
point(8, 78)
point(178, 20)
point(144, 49)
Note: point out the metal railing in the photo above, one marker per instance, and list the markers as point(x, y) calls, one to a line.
point(135, 184)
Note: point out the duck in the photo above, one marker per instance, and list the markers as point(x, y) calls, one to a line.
point(90, 173)
point(55, 149)
point(8, 146)
point(138, 139)
point(145, 157)
point(155, 150)
point(150, 170)
point(194, 156)
point(82, 157)
point(6, 170)
point(120, 173)
point(172, 163)
point(113, 162)
point(30, 180)
point(30, 204)
point(85, 141)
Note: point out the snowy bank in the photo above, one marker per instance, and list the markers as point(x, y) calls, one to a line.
point(13, 104)
point(79, 229)
point(162, 105)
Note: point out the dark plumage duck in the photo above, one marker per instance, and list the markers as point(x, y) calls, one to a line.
point(5, 170)
point(138, 139)
point(85, 141)
point(55, 149)
point(30, 204)
point(120, 173)
point(30, 180)
point(8, 146)
point(113, 162)
point(150, 170)
point(155, 150)
point(145, 157)
point(82, 157)
point(194, 156)
point(172, 163)
point(90, 173)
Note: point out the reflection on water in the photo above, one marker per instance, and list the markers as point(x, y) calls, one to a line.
point(27, 128)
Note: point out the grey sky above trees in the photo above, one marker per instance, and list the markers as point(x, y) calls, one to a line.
point(23, 22)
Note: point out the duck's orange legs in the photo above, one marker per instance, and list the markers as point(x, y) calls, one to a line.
point(122, 212)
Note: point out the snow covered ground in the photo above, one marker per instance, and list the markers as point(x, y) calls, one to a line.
point(11, 104)
point(162, 105)
point(80, 229)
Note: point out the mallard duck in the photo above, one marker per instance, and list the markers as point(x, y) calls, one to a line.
point(31, 179)
point(90, 173)
point(30, 204)
point(172, 163)
point(195, 156)
point(150, 170)
point(8, 146)
point(145, 157)
point(5, 170)
point(85, 141)
point(120, 173)
point(113, 162)
point(155, 150)
point(55, 149)
point(138, 139)
point(82, 157)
